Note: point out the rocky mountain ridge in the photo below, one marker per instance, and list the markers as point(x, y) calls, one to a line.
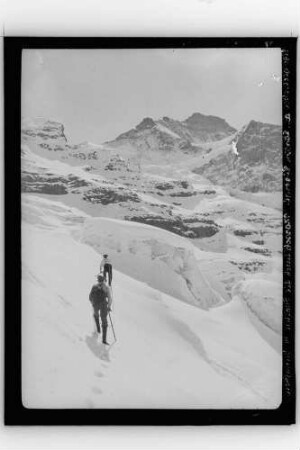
point(237, 235)
point(168, 134)
point(256, 163)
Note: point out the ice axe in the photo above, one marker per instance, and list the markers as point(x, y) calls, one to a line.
point(112, 327)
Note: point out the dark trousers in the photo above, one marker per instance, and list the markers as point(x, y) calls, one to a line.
point(103, 309)
point(108, 270)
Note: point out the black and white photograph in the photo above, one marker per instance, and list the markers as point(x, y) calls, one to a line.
point(152, 231)
point(151, 228)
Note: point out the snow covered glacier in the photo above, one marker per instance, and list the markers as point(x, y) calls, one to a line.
point(178, 344)
point(157, 257)
point(197, 284)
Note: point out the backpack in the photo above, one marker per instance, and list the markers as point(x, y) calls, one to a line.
point(97, 295)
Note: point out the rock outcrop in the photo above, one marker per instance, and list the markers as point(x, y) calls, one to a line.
point(256, 163)
point(167, 134)
point(47, 134)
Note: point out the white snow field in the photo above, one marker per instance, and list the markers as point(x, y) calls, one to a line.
point(169, 353)
point(162, 259)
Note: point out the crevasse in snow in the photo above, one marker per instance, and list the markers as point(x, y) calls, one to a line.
point(169, 353)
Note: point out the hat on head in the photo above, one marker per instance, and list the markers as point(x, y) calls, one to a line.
point(105, 256)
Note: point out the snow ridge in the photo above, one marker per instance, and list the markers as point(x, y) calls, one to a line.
point(191, 358)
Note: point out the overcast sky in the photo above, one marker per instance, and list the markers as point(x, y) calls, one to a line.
point(98, 94)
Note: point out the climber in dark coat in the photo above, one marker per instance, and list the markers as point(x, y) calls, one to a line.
point(101, 299)
point(106, 268)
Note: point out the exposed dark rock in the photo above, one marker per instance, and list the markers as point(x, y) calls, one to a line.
point(46, 188)
point(259, 164)
point(49, 183)
point(145, 124)
point(183, 194)
point(184, 184)
point(164, 186)
point(251, 266)
point(176, 187)
point(45, 129)
point(243, 233)
point(76, 182)
point(167, 134)
point(261, 251)
point(207, 192)
point(177, 225)
point(198, 219)
point(208, 128)
point(260, 220)
point(88, 155)
point(117, 163)
point(106, 196)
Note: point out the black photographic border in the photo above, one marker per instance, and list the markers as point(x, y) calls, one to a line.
point(15, 412)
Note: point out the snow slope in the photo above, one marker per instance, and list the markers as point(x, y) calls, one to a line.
point(34, 163)
point(162, 259)
point(168, 353)
point(263, 299)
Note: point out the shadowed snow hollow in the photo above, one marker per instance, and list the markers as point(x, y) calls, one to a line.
point(163, 260)
point(263, 300)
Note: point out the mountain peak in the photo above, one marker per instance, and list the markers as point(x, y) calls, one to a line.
point(198, 118)
point(40, 122)
point(195, 115)
point(41, 128)
point(198, 123)
point(145, 124)
point(256, 127)
point(167, 132)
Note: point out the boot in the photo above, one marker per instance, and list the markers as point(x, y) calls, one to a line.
point(97, 323)
point(104, 336)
